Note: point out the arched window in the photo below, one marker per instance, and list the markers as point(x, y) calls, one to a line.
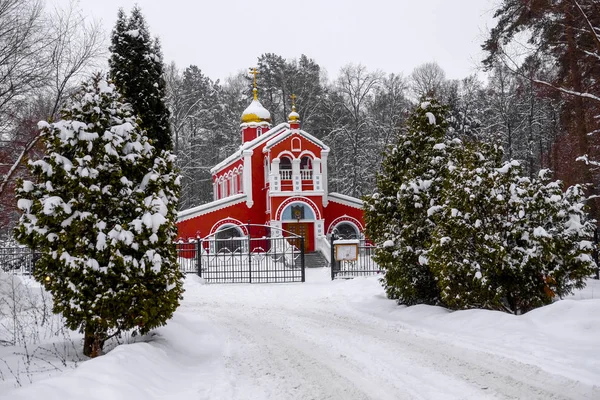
point(228, 239)
point(266, 171)
point(306, 163)
point(296, 144)
point(306, 168)
point(234, 182)
point(223, 187)
point(346, 230)
point(285, 168)
point(285, 163)
point(220, 187)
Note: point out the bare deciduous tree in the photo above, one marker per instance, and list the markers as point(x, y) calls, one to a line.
point(427, 80)
point(42, 57)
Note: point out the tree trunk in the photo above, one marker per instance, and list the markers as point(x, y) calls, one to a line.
point(583, 173)
point(92, 343)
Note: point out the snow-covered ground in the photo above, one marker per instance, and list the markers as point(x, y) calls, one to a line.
point(336, 340)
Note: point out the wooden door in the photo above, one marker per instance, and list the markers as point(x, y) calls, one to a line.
point(300, 230)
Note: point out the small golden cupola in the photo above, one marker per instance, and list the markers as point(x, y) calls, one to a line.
point(255, 119)
point(294, 117)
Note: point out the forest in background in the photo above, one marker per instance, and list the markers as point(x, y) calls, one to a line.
point(357, 114)
point(543, 109)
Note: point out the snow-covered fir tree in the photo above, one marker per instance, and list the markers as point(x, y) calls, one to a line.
point(464, 244)
point(399, 214)
point(136, 67)
point(460, 228)
point(102, 213)
point(552, 245)
point(506, 242)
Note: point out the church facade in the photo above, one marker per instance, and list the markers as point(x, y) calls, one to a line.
point(278, 177)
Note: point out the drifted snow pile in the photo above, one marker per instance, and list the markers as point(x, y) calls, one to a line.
point(102, 214)
point(461, 229)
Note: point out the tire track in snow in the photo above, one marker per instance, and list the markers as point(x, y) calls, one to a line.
point(387, 362)
point(266, 366)
point(341, 374)
point(497, 375)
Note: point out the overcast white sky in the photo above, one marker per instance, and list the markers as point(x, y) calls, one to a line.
point(223, 36)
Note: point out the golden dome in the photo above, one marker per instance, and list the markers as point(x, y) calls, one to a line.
point(256, 113)
point(294, 116)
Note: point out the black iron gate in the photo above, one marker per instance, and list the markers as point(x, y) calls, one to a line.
point(364, 265)
point(19, 260)
point(245, 254)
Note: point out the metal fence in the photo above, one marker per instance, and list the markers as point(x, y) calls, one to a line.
point(248, 254)
point(364, 265)
point(19, 260)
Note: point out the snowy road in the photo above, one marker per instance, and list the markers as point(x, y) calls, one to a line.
point(295, 342)
point(339, 340)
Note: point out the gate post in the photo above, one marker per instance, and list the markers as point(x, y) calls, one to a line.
point(199, 256)
point(249, 254)
point(302, 266)
point(332, 262)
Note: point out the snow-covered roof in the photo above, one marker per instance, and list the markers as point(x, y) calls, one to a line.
point(288, 133)
point(346, 200)
point(210, 207)
point(249, 146)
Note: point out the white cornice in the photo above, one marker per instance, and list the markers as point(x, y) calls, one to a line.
point(303, 193)
point(210, 207)
point(345, 200)
point(279, 138)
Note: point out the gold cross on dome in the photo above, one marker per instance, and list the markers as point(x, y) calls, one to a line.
point(254, 72)
point(293, 96)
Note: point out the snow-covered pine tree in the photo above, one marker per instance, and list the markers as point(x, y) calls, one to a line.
point(102, 213)
point(464, 244)
point(506, 242)
point(551, 252)
point(136, 68)
point(475, 228)
point(399, 214)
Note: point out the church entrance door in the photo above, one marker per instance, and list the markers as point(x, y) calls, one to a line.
point(301, 229)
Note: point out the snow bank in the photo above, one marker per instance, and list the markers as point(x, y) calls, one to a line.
point(561, 338)
point(173, 364)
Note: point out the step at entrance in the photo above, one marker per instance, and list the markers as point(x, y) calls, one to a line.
point(315, 260)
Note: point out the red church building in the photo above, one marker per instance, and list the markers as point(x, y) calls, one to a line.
point(278, 177)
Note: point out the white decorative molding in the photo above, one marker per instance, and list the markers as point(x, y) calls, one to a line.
point(295, 193)
point(288, 133)
point(274, 178)
point(324, 155)
point(248, 176)
point(345, 200)
point(319, 228)
point(298, 199)
point(317, 175)
point(210, 207)
point(296, 179)
point(346, 219)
